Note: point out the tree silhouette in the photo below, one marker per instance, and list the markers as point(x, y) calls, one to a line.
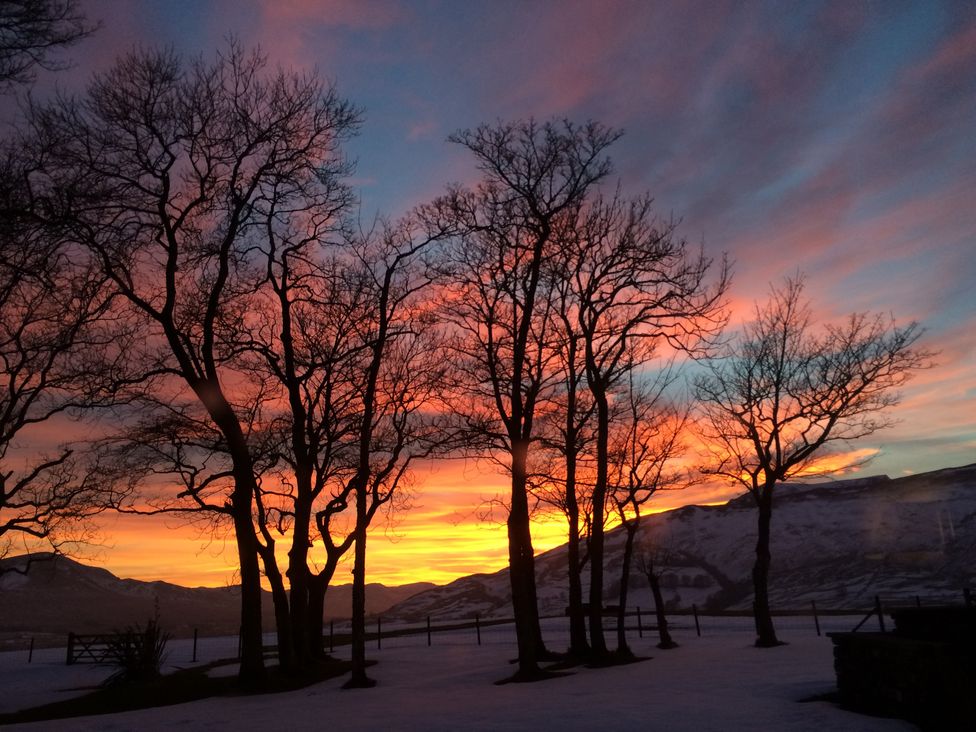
point(30, 31)
point(500, 308)
point(404, 368)
point(783, 392)
point(636, 288)
point(56, 349)
point(647, 445)
point(174, 166)
point(570, 424)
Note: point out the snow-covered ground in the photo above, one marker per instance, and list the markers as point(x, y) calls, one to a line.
point(716, 682)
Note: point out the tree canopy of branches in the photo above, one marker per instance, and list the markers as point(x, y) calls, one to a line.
point(31, 31)
point(54, 351)
point(173, 173)
point(784, 392)
point(499, 304)
point(399, 368)
point(50, 305)
point(635, 286)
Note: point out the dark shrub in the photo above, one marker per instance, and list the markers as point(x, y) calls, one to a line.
point(138, 652)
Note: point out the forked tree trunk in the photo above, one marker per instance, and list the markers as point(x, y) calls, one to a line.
point(765, 632)
point(318, 586)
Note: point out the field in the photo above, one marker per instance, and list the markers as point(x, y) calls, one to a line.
point(715, 682)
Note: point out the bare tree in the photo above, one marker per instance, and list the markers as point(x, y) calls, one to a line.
point(51, 307)
point(646, 449)
point(783, 392)
point(637, 287)
point(570, 424)
point(348, 349)
point(174, 166)
point(404, 368)
point(55, 362)
point(499, 305)
point(30, 31)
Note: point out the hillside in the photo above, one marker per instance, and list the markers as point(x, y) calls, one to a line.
point(838, 543)
point(62, 595)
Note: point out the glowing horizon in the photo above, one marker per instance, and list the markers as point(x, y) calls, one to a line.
point(829, 138)
point(425, 544)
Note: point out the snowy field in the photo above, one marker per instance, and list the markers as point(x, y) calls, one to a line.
point(716, 682)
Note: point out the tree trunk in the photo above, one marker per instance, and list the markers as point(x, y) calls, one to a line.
point(299, 576)
point(318, 586)
point(578, 645)
point(359, 679)
point(251, 673)
point(314, 635)
point(283, 626)
point(664, 635)
point(597, 642)
point(623, 650)
point(765, 632)
point(522, 569)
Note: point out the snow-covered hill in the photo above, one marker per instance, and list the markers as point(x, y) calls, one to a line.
point(838, 543)
point(61, 595)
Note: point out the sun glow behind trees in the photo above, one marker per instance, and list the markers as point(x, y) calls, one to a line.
point(442, 537)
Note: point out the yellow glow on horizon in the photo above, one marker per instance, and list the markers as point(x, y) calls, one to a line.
point(839, 464)
point(441, 538)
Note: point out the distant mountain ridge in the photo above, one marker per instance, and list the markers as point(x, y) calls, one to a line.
point(61, 595)
point(838, 543)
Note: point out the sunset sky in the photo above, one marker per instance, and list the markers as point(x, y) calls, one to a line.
point(837, 139)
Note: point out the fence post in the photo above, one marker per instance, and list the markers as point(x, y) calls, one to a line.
point(194, 645)
point(694, 609)
point(428, 631)
point(30, 653)
point(918, 601)
point(967, 597)
point(379, 633)
point(71, 649)
point(331, 636)
point(240, 643)
point(816, 620)
point(878, 609)
point(640, 628)
point(477, 627)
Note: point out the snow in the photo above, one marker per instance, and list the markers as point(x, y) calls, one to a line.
point(716, 682)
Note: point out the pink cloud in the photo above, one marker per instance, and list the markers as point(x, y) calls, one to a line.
point(956, 52)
